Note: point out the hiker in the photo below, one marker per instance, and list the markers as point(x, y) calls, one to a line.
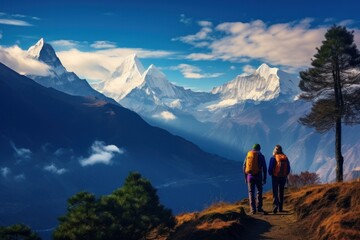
point(255, 176)
point(279, 168)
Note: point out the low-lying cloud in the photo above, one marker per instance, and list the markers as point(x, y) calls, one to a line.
point(190, 71)
point(5, 171)
point(23, 153)
point(101, 154)
point(166, 115)
point(101, 63)
point(53, 169)
point(20, 61)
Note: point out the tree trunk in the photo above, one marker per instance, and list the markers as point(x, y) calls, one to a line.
point(338, 156)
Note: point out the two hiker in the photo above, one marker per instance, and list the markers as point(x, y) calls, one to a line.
point(255, 176)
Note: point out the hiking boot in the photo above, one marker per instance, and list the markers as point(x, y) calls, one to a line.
point(260, 210)
point(253, 212)
point(275, 210)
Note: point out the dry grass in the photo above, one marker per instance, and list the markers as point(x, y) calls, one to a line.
point(219, 221)
point(329, 211)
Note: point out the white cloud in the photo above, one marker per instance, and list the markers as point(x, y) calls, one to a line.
point(201, 38)
point(100, 64)
point(103, 44)
point(21, 152)
point(19, 177)
point(288, 44)
point(248, 70)
point(185, 20)
point(201, 56)
point(5, 171)
point(19, 60)
point(205, 24)
point(101, 153)
point(14, 22)
point(53, 169)
point(166, 115)
point(64, 43)
point(190, 71)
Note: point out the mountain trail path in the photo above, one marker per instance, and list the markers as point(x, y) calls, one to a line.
point(279, 226)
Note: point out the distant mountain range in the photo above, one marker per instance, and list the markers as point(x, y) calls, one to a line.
point(260, 107)
point(54, 145)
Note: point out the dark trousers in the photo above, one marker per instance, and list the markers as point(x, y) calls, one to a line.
point(253, 182)
point(278, 185)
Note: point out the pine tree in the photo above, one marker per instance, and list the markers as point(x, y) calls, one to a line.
point(81, 220)
point(130, 212)
point(332, 84)
point(142, 210)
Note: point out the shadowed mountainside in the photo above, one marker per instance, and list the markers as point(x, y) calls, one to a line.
point(46, 134)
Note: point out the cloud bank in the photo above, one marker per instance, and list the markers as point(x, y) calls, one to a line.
point(101, 154)
point(20, 61)
point(288, 44)
point(100, 64)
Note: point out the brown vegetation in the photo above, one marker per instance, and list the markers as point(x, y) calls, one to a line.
point(327, 211)
point(303, 179)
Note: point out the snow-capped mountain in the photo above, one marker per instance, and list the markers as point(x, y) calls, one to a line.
point(149, 92)
point(263, 85)
point(46, 135)
point(260, 107)
point(59, 78)
point(125, 78)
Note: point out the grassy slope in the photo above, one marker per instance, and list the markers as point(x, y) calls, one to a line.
point(327, 211)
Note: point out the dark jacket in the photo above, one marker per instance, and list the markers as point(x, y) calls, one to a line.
point(272, 165)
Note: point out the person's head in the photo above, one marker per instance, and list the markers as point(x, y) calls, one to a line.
point(277, 150)
point(256, 147)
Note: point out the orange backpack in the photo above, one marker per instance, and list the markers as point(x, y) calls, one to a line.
point(281, 165)
point(252, 163)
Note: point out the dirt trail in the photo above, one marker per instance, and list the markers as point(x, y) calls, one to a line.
point(280, 226)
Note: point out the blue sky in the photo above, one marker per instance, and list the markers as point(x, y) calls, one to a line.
point(198, 44)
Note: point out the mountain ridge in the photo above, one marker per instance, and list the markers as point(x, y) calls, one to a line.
point(59, 78)
point(47, 135)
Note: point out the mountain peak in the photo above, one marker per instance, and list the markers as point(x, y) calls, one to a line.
point(45, 52)
point(265, 71)
point(34, 51)
point(130, 64)
point(154, 71)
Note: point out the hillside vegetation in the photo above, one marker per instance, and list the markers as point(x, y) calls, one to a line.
point(326, 211)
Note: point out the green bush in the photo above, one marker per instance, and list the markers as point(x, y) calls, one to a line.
point(17, 232)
